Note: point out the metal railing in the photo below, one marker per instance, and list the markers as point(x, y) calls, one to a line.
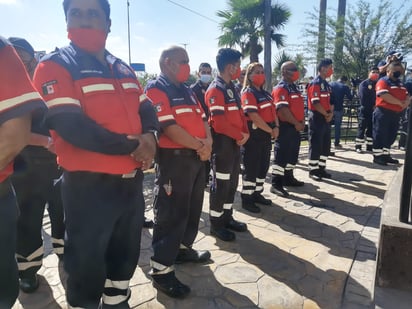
point(405, 209)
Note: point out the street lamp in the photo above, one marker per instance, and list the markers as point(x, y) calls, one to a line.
point(128, 30)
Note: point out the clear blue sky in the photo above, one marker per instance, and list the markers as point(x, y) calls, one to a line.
point(154, 24)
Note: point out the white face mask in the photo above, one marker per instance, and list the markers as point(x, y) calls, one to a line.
point(206, 78)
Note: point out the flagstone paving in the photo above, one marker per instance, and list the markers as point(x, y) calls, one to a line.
point(315, 249)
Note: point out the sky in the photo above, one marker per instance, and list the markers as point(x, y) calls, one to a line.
point(154, 25)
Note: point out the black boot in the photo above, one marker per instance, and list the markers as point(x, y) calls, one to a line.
point(191, 255)
point(315, 174)
point(324, 174)
point(169, 284)
point(277, 186)
point(249, 204)
point(260, 199)
point(29, 284)
point(379, 160)
point(290, 181)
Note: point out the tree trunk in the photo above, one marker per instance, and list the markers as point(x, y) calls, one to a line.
point(268, 45)
point(322, 30)
point(254, 55)
point(339, 39)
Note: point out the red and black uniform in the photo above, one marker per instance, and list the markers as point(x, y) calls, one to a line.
point(227, 121)
point(180, 181)
point(17, 98)
point(319, 130)
point(386, 116)
point(367, 97)
point(256, 158)
point(93, 107)
point(36, 182)
point(287, 144)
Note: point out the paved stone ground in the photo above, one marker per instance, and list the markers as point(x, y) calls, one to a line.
point(315, 249)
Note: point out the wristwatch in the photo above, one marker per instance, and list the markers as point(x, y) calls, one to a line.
point(155, 134)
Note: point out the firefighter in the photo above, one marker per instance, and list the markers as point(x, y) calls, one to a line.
point(290, 109)
point(96, 112)
point(263, 125)
point(19, 103)
point(229, 132)
point(184, 145)
point(320, 115)
point(367, 97)
point(391, 99)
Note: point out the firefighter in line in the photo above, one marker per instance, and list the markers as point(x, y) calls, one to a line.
point(367, 97)
point(96, 113)
point(320, 115)
point(290, 110)
point(19, 103)
point(229, 132)
point(263, 126)
point(184, 145)
point(36, 182)
point(391, 99)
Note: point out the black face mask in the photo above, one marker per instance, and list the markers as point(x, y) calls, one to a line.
point(397, 74)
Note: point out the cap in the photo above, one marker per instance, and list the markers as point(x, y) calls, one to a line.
point(23, 44)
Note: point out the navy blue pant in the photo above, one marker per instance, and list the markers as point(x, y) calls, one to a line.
point(178, 205)
point(364, 123)
point(319, 140)
point(226, 169)
point(36, 183)
point(104, 218)
point(287, 145)
point(385, 129)
point(256, 160)
point(9, 281)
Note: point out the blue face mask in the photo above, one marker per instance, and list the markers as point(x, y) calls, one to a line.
point(206, 78)
point(397, 74)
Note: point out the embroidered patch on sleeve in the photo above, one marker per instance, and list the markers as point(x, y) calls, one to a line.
point(49, 87)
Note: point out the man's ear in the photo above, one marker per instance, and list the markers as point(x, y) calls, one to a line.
point(109, 25)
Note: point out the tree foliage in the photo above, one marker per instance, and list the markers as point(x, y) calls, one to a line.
point(282, 57)
point(243, 26)
point(369, 33)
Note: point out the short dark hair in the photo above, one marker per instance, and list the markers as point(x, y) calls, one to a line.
point(104, 4)
point(343, 79)
point(373, 68)
point(227, 56)
point(204, 65)
point(324, 63)
point(22, 44)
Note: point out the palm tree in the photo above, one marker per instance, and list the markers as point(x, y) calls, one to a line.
point(243, 26)
point(339, 38)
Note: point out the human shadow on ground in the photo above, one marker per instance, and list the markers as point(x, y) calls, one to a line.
point(206, 291)
point(323, 286)
point(341, 243)
point(368, 164)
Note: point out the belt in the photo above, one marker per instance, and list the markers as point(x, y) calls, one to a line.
point(179, 152)
point(132, 174)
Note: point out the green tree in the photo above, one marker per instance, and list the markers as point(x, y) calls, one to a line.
point(339, 38)
point(369, 33)
point(282, 57)
point(243, 26)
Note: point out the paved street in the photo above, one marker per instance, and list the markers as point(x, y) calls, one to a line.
point(315, 249)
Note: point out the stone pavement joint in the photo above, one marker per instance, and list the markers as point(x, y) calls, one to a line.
point(315, 249)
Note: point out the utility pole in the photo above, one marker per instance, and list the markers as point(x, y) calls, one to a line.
point(128, 30)
point(322, 30)
point(268, 44)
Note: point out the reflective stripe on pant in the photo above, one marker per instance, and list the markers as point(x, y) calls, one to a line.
point(9, 281)
point(364, 127)
point(226, 168)
point(178, 205)
point(104, 217)
point(385, 129)
point(319, 140)
point(286, 149)
point(36, 185)
point(256, 161)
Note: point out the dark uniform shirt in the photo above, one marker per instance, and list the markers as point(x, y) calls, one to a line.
point(367, 94)
point(339, 91)
point(200, 89)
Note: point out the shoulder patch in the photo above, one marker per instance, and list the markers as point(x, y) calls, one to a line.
point(49, 87)
point(212, 100)
point(158, 107)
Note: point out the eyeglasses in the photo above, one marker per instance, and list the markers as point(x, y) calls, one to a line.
point(292, 70)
